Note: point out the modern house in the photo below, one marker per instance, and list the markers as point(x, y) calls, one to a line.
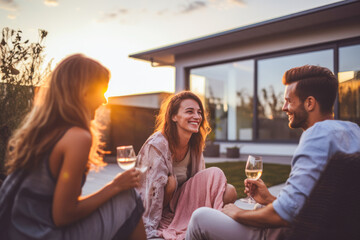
point(238, 72)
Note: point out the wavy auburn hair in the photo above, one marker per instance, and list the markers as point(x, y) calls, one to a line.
point(58, 105)
point(167, 126)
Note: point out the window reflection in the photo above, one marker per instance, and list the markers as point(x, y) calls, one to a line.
point(273, 122)
point(349, 83)
point(227, 90)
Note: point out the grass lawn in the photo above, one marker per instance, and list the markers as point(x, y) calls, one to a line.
point(273, 174)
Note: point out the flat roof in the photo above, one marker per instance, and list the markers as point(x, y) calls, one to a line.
point(165, 56)
point(141, 94)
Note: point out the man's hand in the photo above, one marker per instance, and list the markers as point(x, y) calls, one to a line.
point(231, 210)
point(258, 190)
point(263, 217)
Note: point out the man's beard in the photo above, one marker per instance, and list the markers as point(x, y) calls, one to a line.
point(299, 118)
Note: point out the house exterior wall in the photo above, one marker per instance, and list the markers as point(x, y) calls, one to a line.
point(150, 100)
point(274, 43)
point(315, 36)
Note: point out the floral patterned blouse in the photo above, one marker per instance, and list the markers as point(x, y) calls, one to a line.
point(156, 155)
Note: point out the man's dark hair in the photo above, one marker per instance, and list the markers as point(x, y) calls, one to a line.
point(315, 81)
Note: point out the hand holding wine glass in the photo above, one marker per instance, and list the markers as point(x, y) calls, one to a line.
point(253, 170)
point(126, 157)
point(127, 180)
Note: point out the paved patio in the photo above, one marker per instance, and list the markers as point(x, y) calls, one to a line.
point(96, 180)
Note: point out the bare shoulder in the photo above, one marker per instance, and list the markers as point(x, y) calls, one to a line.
point(75, 144)
point(77, 137)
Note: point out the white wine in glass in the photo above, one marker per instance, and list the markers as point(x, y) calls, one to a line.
point(253, 174)
point(253, 170)
point(126, 157)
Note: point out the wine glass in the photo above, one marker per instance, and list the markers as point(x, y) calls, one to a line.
point(126, 157)
point(253, 170)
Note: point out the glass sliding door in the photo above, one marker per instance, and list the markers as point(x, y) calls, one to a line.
point(272, 121)
point(349, 83)
point(227, 90)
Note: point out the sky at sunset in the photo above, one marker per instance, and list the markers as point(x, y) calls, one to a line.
point(110, 30)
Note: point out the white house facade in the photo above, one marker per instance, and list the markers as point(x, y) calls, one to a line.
point(238, 73)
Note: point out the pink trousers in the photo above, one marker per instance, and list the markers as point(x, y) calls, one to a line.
point(204, 189)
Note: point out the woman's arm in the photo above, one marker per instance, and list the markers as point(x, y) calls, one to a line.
point(68, 206)
point(152, 187)
point(170, 188)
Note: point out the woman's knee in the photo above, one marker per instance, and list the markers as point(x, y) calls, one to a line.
point(214, 171)
point(230, 194)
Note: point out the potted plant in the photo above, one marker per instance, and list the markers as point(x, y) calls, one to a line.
point(233, 152)
point(211, 149)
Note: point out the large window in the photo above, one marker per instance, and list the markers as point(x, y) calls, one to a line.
point(349, 83)
point(227, 90)
point(273, 122)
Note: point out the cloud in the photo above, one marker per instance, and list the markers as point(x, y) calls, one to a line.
point(110, 16)
point(227, 4)
point(193, 6)
point(51, 3)
point(8, 5)
point(11, 16)
point(162, 12)
point(113, 15)
point(123, 11)
point(241, 3)
point(125, 14)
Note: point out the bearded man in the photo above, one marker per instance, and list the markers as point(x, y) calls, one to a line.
point(310, 94)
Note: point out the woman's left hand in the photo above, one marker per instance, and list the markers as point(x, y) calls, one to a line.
point(169, 190)
point(170, 185)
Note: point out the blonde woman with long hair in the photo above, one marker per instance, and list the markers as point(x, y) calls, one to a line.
point(176, 182)
point(49, 156)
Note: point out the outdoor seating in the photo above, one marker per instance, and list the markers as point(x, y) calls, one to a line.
point(333, 208)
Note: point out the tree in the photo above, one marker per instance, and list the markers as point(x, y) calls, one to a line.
point(20, 71)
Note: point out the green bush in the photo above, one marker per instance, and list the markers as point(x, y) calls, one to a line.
point(20, 72)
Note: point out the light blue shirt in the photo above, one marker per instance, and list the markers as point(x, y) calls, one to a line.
point(317, 144)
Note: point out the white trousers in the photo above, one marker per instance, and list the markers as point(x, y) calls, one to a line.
point(210, 224)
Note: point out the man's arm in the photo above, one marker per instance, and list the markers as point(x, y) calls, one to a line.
point(263, 217)
point(258, 190)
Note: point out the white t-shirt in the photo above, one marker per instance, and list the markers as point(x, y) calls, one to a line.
point(181, 169)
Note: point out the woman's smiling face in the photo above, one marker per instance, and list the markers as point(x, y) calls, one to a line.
point(189, 117)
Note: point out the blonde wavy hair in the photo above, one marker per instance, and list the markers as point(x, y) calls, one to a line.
point(58, 105)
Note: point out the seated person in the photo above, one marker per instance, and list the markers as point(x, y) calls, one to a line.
point(47, 161)
point(176, 182)
point(309, 98)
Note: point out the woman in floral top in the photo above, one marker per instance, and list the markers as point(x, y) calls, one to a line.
point(176, 182)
